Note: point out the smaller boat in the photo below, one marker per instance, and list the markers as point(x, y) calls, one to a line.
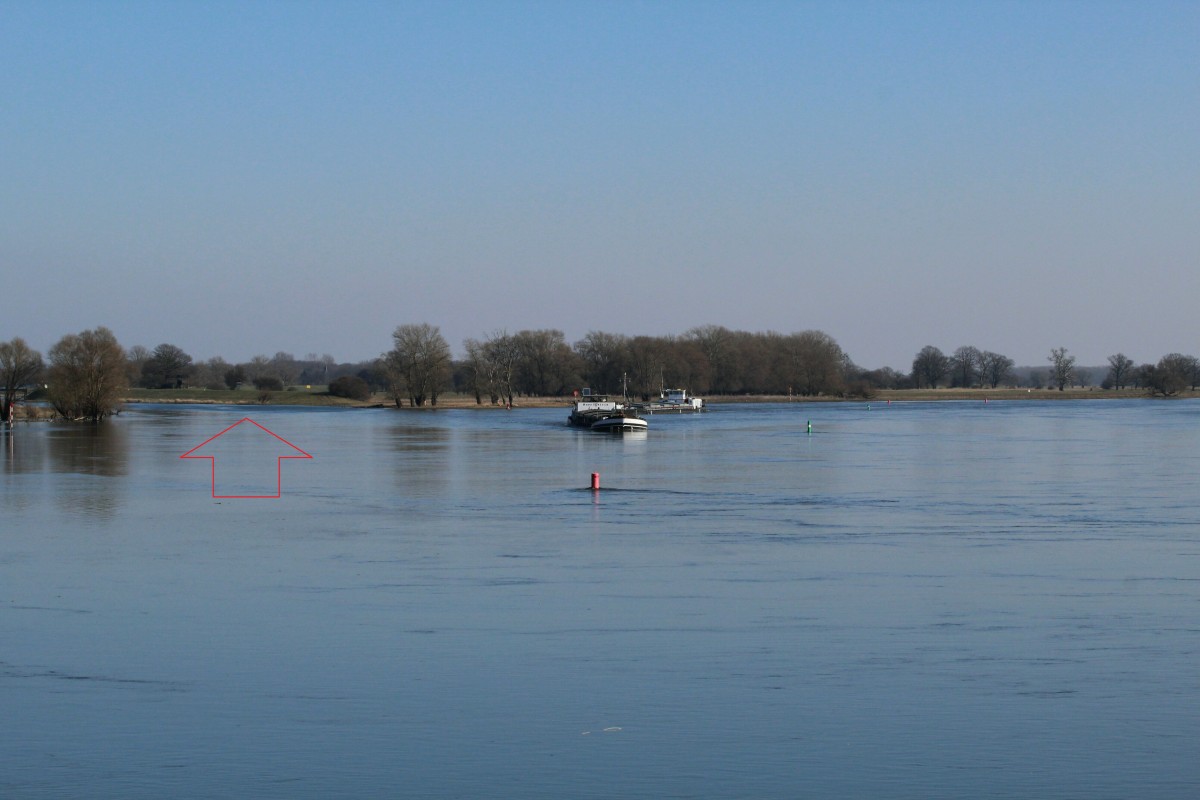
point(675, 401)
point(601, 414)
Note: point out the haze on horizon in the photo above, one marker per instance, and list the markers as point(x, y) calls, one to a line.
point(244, 178)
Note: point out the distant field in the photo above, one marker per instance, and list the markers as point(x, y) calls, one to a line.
point(296, 396)
point(317, 396)
point(309, 396)
point(1010, 394)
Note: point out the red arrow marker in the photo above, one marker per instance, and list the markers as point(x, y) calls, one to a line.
point(298, 453)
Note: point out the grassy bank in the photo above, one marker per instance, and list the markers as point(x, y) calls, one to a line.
point(308, 396)
point(1092, 393)
point(317, 396)
point(296, 396)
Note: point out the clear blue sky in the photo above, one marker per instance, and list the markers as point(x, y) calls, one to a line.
point(241, 178)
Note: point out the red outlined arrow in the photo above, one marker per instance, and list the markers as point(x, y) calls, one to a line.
point(278, 462)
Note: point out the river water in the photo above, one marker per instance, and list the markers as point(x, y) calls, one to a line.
point(913, 601)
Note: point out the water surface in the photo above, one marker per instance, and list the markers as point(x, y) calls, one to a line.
point(916, 600)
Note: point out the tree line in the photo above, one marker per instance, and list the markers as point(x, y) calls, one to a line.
point(86, 374)
point(969, 367)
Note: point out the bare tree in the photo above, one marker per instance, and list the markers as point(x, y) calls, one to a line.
point(715, 344)
point(1172, 374)
point(750, 360)
point(1119, 369)
point(418, 365)
point(211, 373)
point(929, 367)
point(491, 367)
point(1062, 368)
point(19, 364)
point(135, 359)
point(816, 363)
point(684, 368)
point(87, 375)
point(285, 367)
point(1193, 364)
point(478, 378)
point(504, 354)
point(995, 368)
point(647, 360)
point(885, 378)
point(258, 367)
point(965, 366)
point(235, 376)
point(166, 368)
point(546, 362)
point(605, 359)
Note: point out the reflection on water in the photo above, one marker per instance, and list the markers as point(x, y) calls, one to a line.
point(416, 455)
point(23, 451)
point(89, 449)
point(84, 457)
point(67, 447)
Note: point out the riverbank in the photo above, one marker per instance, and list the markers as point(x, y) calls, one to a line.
point(317, 396)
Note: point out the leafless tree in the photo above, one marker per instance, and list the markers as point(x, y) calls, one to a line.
point(477, 371)
point(605, 358)
point(1062, 368)
point(1119, 369)
point(135, 359)
point(816, 363)
point(647, 360)
point(19, 364)
point(1172, 374)
point(418, 364)
point(502, 355)
point(1193, 364)
point(258, 367)
point(546, 363)
point(929, 367)
point(167, 367)
point(285, 367)
point(885, 378)
point(211, 373)
point(235, 376)
point(714, 342)
point(965, 366)
point(685, 368)
point(996, 369)
point(1142, 376)
point(87, 375)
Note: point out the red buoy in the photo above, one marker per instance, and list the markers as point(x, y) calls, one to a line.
point(595, 481)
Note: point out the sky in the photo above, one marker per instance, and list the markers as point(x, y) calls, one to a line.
point(250, 177)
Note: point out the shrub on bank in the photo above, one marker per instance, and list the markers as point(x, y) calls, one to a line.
point(350, 386)
point(268, 384)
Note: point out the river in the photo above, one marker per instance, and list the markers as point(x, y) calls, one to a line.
point(914, 600)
